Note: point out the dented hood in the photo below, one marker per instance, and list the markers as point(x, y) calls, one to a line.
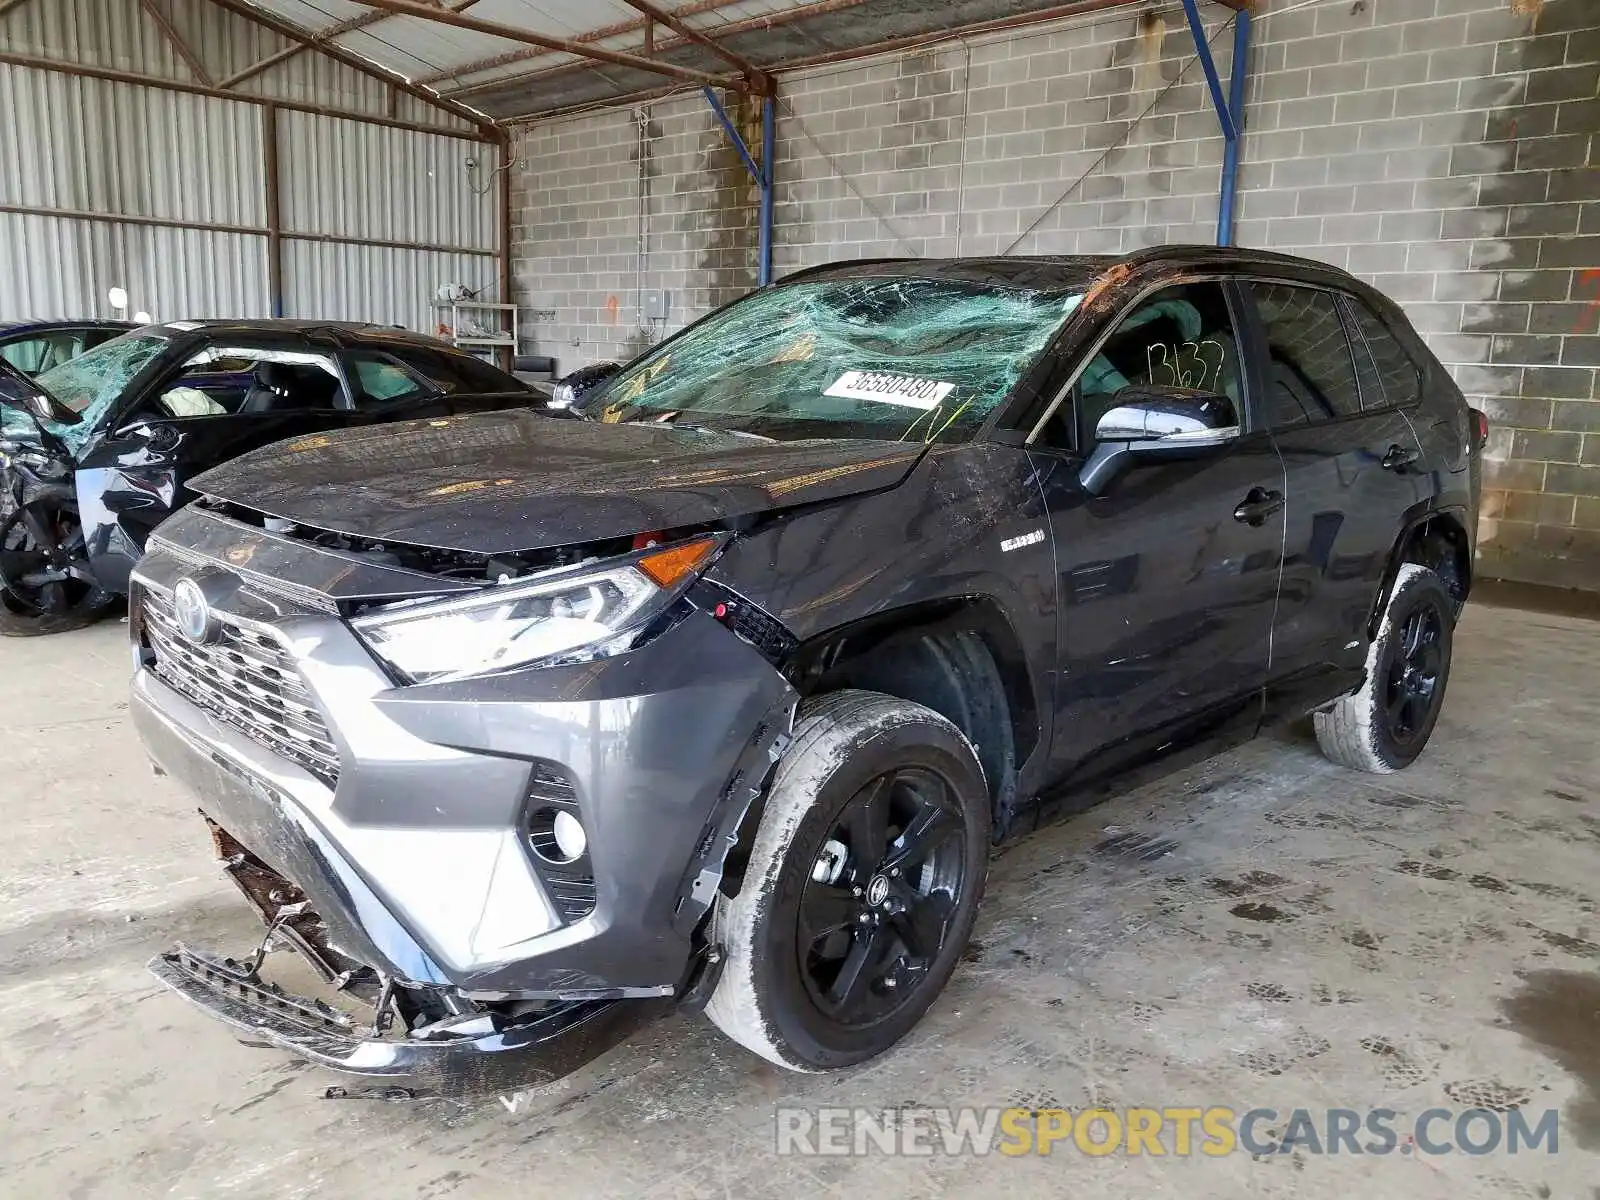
point(496, 483)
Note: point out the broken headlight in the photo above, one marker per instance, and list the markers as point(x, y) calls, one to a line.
point(573, 614)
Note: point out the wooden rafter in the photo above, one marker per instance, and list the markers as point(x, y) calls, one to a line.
point(356, 62)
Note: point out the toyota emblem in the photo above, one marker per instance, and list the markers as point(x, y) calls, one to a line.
point(192, 612)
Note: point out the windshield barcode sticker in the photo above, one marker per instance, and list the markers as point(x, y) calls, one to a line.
point(905, 390)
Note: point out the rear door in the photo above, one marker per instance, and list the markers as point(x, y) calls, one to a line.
point(1167, 586)
point(1352, 466)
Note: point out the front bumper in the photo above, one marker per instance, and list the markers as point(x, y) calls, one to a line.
point(416, 857)
point(519, 1055)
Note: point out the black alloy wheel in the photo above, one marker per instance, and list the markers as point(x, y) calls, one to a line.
point(39, 547)
point(1412, 689)
point(877, 910)
point(45, 583)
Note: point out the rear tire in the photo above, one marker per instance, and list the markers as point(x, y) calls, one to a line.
point(1383, 725)
point(862, 886)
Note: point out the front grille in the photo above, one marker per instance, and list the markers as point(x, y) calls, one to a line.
point(246, 679)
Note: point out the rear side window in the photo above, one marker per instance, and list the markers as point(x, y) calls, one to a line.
point(1311, 375)
point(456, 372)
point(1388, 374)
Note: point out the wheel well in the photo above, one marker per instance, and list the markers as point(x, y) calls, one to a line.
point(1441, 544)
point(960, 658)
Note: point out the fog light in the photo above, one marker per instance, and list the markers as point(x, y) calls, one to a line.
point(571, 840)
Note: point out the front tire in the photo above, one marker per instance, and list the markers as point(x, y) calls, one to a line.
point(1383, 725)
point(38, 597)
point(862, 886)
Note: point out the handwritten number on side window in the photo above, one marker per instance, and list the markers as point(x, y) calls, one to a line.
point(1186, 364)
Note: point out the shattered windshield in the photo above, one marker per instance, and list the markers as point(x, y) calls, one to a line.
point(90, 384)
point(895, 358)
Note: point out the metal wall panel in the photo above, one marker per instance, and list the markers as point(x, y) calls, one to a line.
point(71, 145)
point(101, 33)
point(57, 267)
point(372, 283)
point(90, 145)
point(354, 180)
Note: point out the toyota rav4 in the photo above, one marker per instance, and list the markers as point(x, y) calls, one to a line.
point(718, 690)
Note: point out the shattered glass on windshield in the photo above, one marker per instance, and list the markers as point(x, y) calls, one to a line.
point(894, 358)
point(89, 385)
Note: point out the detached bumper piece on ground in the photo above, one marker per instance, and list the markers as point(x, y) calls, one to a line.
point(399, 1040)
point(502, 1056)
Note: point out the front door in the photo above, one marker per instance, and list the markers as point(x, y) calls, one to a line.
point(1169, 576)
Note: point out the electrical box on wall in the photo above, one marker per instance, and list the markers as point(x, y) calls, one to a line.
point(656, 305)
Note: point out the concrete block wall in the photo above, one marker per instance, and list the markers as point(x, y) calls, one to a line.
point(1442, 149)
point(1448, 151)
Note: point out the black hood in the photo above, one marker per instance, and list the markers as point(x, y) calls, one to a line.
point(497, 483)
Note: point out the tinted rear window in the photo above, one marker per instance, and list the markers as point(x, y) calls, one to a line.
point(1310, 373)
point(1388, 376)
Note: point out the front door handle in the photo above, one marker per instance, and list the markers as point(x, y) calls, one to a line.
point(1256, 507)
point(1398, 457)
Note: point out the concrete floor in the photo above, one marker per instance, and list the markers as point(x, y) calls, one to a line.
point(1264, 930)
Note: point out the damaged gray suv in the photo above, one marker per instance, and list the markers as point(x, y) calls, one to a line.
point(717, 690)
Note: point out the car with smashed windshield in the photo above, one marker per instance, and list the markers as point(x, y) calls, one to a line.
point(522, 730)
point(98, 449)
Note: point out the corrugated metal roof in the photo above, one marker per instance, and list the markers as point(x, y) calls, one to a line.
point(506, 78)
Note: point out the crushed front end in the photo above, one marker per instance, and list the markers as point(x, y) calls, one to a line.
point(507, 871)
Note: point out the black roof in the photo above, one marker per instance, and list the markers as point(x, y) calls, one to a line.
point(45, 326)
point(348, 332)
point(1062, 272)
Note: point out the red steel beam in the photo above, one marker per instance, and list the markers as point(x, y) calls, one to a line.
point(511, 33)
point(662, 17)
point(998, 24)
point(111, 75)
point(356, 62)
point(620, 29)
point(364, 21)
point(168, 31)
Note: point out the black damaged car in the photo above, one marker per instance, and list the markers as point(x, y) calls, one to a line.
point(97, 450)
point(519, 730)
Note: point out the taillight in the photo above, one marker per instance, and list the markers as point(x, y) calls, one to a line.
point(1480, 427)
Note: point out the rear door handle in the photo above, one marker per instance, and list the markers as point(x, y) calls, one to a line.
point(1398, 457)
point(1256, 507)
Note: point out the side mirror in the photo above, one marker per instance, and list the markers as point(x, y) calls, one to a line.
point(1147, 422)
point(570, 389)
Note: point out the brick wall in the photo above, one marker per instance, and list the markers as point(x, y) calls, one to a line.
point(1443, 149)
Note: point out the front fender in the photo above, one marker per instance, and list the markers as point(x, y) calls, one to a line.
point(968, 523)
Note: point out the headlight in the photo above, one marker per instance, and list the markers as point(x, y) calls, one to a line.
point(572, 615)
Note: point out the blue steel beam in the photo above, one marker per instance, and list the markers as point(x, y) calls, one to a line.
point(1230, 152)
point(1209, 65)
point(762, 177)
point(769, 146)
